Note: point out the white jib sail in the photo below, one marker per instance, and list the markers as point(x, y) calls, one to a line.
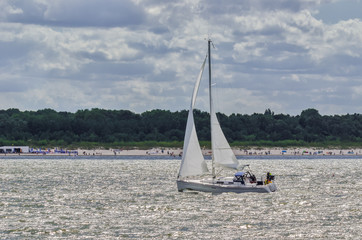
point(193, 162)
point(223, 154)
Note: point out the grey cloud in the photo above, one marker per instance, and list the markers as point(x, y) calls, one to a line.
point(11, 51)
point(80, 13)
point(95, 56)
point(158, 29)
point(333, 12)
point(102, 72)
point(232, 7)
point(119, 69)
point(277, 48)
point(342, 65)
point(165, 77)
point(14, 84)
point(275, 52)
point(26, 12)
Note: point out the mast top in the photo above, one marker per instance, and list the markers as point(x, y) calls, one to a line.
point(210, 41)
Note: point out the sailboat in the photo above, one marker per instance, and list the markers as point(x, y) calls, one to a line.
point(194, 174)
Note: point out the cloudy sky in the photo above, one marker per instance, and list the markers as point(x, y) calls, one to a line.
point(141, 55)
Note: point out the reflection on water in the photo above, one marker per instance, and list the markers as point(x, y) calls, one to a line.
point(107, 198)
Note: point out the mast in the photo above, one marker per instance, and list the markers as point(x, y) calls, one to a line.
point(211, 110)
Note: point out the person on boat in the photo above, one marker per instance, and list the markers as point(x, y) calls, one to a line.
point(252, 179)
point(269, 178)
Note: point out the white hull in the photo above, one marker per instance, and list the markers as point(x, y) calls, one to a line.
point(215, 187)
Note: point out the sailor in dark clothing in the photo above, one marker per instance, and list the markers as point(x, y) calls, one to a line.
point(269, 178)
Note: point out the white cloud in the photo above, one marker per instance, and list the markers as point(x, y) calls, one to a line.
point(140, 55)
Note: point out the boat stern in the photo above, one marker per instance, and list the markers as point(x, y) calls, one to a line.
point(272, 187)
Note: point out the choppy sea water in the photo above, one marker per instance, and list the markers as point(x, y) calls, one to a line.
point(134, 198)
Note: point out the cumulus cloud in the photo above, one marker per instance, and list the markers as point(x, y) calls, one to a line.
point(140, 55)
point(69, 13)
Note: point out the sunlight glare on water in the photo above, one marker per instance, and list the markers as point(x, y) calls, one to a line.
point(108, 198)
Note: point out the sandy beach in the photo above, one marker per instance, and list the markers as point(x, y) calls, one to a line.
point(238, 152)
point(178, 152)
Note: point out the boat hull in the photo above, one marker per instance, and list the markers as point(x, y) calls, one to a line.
point(211, 186)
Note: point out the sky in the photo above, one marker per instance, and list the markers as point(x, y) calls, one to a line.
point(140, 55)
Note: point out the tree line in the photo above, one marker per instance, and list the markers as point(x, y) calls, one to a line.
point(110, 126)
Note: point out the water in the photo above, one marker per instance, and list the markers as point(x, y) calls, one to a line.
point(125, 198)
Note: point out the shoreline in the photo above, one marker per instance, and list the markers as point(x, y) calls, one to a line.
point(206, 152)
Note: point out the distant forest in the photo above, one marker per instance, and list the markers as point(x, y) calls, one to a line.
point(119, 127)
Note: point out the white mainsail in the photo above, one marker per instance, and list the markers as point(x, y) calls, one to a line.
point(193, 162)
